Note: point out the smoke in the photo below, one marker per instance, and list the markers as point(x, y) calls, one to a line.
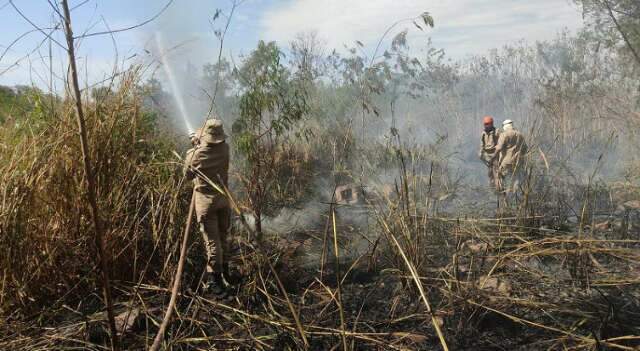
point(439, 130)
point(182, 41)
point(311, 215)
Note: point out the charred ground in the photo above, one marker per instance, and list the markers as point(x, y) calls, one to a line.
point(362, 216)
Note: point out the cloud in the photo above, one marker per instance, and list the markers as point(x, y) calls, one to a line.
point(462, 26)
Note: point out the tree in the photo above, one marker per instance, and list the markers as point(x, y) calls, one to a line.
point(616, 23)
point(271, 103)
point(307, 56)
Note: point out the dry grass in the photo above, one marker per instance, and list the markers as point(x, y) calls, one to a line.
point(429, 278)
point(47, 252)
point(485, 284)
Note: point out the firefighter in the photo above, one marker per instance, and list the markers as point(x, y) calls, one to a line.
point(208, 166)
point(511, 150)
point(487, 152)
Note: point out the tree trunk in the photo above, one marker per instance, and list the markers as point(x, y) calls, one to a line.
point(89, 176)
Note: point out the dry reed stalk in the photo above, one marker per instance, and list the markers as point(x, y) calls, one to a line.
point(418, 283)
point(89, 175)
point(338, 280)
point(294, 313)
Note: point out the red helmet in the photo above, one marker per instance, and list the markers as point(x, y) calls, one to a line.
point(487, 120)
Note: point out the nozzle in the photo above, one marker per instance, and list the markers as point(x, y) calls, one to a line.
point(193, 138)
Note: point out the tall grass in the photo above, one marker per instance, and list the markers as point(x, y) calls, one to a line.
point(440, 270)
point(44, 221)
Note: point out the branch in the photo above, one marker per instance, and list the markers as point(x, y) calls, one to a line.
point(176, 280)
point(128, 28)
point(622, 33)
point(17, 62)
point(48, 35)
point(222, 36)
point(79, 5)
point(15, 41)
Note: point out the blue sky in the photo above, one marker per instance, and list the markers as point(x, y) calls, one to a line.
point(463, 27)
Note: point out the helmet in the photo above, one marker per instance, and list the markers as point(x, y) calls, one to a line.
point(487, 120)
point(507, 121)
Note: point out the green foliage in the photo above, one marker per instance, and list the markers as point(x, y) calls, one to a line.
point(16, 103)
point(24, 111)
point(615, 23)
point(271, 101)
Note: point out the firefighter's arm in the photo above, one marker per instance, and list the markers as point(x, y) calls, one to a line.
point(190, 163)
point(499, 147)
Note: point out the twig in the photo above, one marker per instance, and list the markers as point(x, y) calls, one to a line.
point(48, 35)
point(166, 6)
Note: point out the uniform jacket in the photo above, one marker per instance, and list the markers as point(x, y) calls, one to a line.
point(488, 144)
point(511, 148)
point(211, 160)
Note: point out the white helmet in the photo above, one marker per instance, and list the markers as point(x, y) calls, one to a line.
point(507, 121)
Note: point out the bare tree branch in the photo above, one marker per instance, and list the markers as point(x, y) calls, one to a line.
point(55, 8)
point(48, 35)
point(17, 62)
point(15, 41)
point(235, 4)
point(79, 5)
point(128, 28)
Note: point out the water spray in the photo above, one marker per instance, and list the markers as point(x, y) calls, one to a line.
point(177, 95)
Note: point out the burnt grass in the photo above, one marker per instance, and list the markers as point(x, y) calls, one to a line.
point(505, 285)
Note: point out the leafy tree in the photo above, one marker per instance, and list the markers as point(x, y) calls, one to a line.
point(271, 102)
point(616, 23)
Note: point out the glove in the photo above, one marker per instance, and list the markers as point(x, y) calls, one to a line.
point(193, 138)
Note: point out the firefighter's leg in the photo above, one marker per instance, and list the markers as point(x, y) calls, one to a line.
point(224, 218)
point(492, 176)
point(207, 231)
point(499, 179)
point(211, 237)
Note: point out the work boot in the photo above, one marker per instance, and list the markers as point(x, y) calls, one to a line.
point(232, 279)
point(215, 285)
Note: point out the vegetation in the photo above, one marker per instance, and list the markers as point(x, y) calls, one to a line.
point(270, 103)
point(615, 24)
point(425, 260)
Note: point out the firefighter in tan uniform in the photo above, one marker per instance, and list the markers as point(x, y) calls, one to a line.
point(510, 152)
point(206, 163)
point(488, 151)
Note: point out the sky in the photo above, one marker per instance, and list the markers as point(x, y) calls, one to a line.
point(462, 28)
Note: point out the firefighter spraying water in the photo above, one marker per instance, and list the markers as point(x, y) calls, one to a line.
point(206, 163)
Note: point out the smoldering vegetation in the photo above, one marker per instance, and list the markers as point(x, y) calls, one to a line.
point(363, 219)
